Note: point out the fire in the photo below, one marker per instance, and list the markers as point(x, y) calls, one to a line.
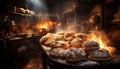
point(47, 25)
point(102, 39)
point(40, 27)
point(24, 27)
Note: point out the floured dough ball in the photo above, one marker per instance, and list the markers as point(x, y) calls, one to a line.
point(60, 44)
point(101, 54)
point(90, 46)
point(77, 42)
point(57, 53)
point(74, 54)
point(81, 35)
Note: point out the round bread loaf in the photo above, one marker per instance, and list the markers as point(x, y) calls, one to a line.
point(74, 54)
point(90, 46)
point(57, 53)
point(77, 42)
point(102, 54)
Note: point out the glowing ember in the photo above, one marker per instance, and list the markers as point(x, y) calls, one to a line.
point(102, 39)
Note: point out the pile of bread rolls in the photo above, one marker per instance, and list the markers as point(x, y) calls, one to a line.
point(73, 47)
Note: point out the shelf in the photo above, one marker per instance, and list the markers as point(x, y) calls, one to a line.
point(22, 14)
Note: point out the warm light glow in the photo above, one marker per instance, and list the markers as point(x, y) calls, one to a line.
point(42, 26)
point(47, 25)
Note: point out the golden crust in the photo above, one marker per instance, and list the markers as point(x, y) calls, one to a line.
point(77, 42)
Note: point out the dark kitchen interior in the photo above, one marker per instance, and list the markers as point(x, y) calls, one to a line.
point(31, 38)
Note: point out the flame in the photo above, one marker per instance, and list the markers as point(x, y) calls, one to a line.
point(47, 25)
point(24, 27)
point(40, 27)
point(102, 39)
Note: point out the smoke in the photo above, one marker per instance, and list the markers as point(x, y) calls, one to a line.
point(66, 13)
point(37, 5)
point(68, 27)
